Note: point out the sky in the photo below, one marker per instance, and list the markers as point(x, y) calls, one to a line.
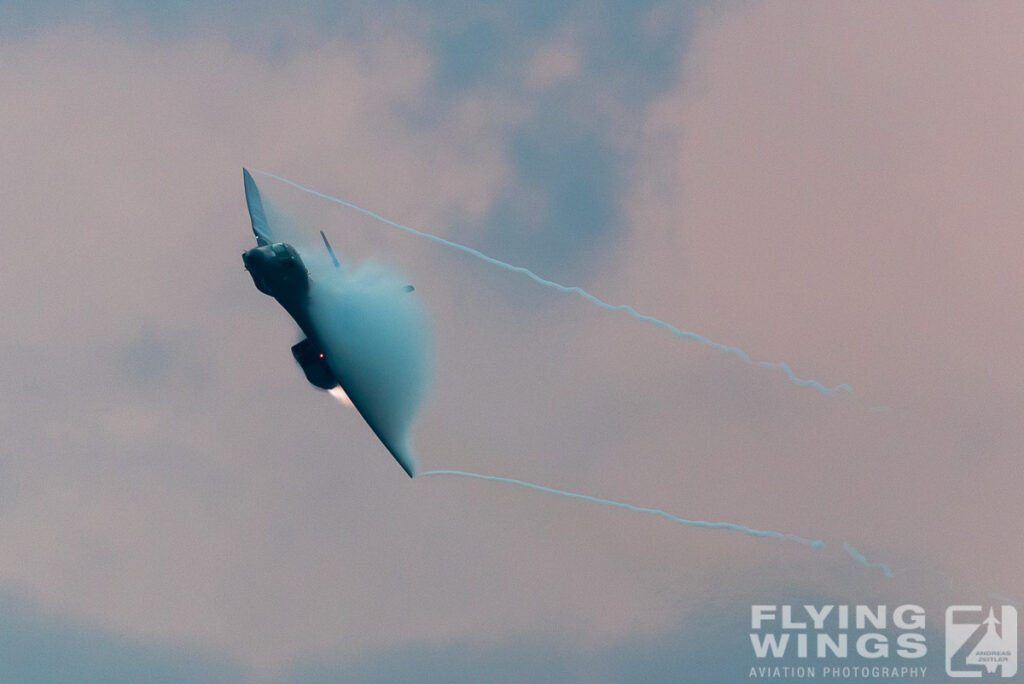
point(831, 185)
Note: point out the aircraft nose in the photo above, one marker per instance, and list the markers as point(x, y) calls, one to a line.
point(251, 258)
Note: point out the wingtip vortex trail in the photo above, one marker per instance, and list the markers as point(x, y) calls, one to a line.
point(842, 388)
point(813, 543)
point(859, 557)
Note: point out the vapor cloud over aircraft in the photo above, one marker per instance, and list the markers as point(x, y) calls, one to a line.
point(365, 335)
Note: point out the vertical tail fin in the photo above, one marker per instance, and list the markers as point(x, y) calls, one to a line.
point(330, 250)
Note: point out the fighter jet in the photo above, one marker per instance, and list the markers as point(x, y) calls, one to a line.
point(356, 329)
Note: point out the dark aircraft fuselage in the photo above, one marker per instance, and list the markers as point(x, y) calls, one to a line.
point(277, 270)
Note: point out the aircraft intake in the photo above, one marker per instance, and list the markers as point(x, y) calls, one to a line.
point(314, 365)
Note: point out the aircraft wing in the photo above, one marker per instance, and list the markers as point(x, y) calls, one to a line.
point(377, 342)
point(256, 214)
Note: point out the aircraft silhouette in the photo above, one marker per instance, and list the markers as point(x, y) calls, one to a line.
point(350, 335)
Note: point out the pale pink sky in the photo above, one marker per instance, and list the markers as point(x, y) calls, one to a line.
point(833, 185)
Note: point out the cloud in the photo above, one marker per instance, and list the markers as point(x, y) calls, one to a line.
point(551, 65)
point(168, 474)
point(810, 183)
point(712, 645)
point(829, 186)
point(143, 455)
point(43, 649)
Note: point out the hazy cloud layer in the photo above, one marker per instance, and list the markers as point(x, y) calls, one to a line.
point(823, 184)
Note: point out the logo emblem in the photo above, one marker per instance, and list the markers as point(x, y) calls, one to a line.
point(980, 642)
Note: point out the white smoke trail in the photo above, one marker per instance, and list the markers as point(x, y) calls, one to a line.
point(817, 544)
point(582, 293)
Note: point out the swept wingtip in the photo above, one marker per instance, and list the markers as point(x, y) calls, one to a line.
point(408, 466)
